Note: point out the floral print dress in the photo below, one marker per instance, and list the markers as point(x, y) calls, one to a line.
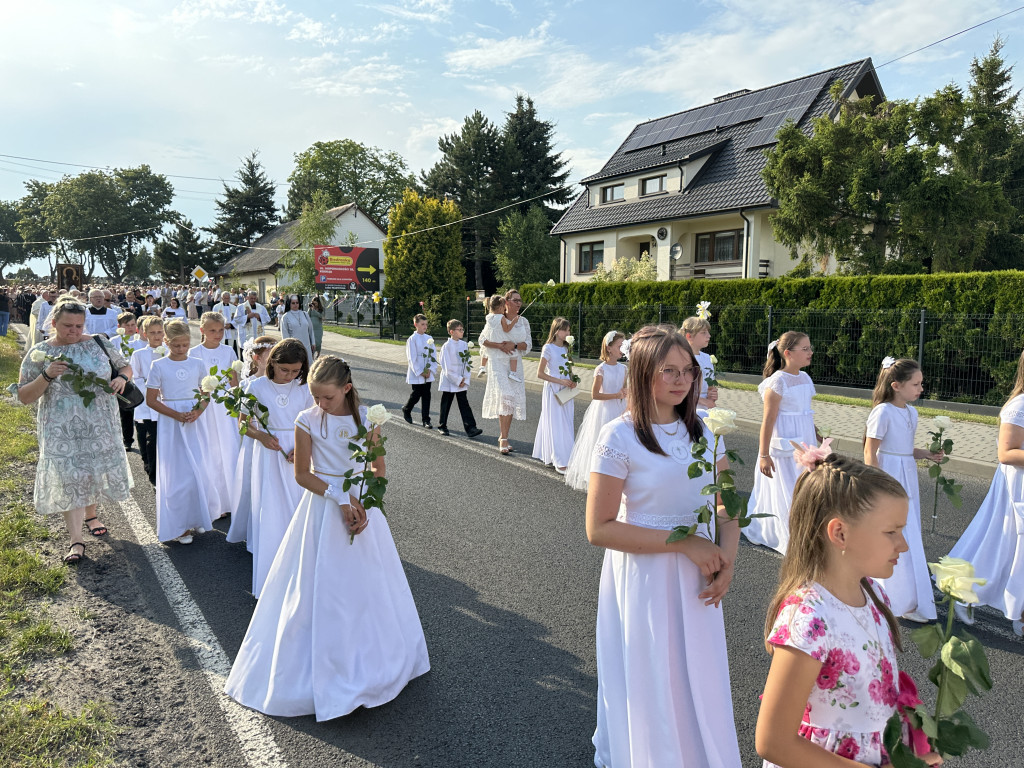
point(856, 690)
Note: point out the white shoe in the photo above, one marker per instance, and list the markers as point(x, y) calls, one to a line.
point(186, 539)
point(200, 530)
point(480, 372)
point(1018, 628)
point(514, 375)
point(561, 470)
point(964, 612)
point(915, 617)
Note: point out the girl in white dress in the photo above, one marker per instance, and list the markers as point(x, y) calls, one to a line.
point(889, 445)
point(182, 505)
point(222, 431)
point(698, 335)
point(336, 627)
point(255, 354)
point(609, 401)
point(663, 695)
point(788, 418)
point(834, 678)
point(994, 541)
point(275, 494)
point(554, 440)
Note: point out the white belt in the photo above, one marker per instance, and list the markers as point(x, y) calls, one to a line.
point(663, 522)
point(893, 453)
point(176, 399)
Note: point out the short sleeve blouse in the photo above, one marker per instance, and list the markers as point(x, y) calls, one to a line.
point(1013, 412)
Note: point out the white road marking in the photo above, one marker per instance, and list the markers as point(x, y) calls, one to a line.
point(259, 749)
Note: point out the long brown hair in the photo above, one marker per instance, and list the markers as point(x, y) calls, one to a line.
point(558, 324)
point(776, 360)
point(647, 351)
point(289, 352)
point(837, 487)
point(899, 372)
point(329, 369)
point(1018, 382)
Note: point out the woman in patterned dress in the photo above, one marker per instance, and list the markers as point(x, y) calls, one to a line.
point(82, 460)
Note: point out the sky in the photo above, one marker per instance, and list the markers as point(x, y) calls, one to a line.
point(190, 87)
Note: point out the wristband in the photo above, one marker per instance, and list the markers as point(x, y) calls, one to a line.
point(48, 379)
point(763, 456)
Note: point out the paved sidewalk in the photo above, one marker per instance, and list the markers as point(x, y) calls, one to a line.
point(974, 445)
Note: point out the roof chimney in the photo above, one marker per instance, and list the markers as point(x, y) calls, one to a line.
point(731, 95)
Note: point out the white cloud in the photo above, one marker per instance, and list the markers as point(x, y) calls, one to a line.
point(374, 76)
point(494, 54)
point(430, 11)
point(190, 12)
point(308, 30)
point(383, 32)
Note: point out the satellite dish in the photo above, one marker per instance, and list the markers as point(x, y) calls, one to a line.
point(676, 251)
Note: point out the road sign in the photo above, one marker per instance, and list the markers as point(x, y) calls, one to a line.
point(347, 267)
point(199, 273)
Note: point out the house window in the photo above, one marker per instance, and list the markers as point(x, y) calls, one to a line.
point(719, 246)
point(613, 193)
point(590, 255)
point(653, 185)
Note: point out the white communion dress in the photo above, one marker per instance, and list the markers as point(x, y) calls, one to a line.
point(554, 440)
point(994, 541)
point(241, 489)
point(224, 441)
point(910, 586)
point(773, 496)
point(274, 493)
point(336, 627)
point(599, 413)
point(663, 692)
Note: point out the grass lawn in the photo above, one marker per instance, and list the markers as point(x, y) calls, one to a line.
point(33, 732)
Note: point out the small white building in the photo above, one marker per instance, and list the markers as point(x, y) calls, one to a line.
point(687, 188)
point(260, 264)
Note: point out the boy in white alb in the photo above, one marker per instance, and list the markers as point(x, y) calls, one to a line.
point(422, 361)
point(145, 418)
point(498, 329)
point(455, 369)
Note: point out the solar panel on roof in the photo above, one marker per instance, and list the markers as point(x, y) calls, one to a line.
point(774, 105)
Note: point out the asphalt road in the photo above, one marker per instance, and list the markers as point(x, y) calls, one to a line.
point(506, 585)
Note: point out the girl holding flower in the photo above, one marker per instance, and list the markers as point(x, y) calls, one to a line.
point(889, 445)
point(182, 467)
point(554, 440)
point(994, 541)
point(834, 682)
point(336, 627)
point(697, 331)
point(274, 493)
point(663, 694)
point(82, 462)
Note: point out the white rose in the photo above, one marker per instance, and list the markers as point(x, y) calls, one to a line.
point(942, 422)
point(570, 340)
point(714, 360)
point(209, 383)
point(160, 351)
point(377, 414)
point(237, 366)
point(955, 577)
point(825, 432)
point(551, 282)
point(721, 421)
point(122, 332)
point(470, 345)
point(37, 356)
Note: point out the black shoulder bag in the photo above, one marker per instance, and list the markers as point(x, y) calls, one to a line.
point(131, 397)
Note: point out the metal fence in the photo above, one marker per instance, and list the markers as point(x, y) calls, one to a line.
point(965, 358)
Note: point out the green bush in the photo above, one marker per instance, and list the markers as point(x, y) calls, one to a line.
point(973, 329)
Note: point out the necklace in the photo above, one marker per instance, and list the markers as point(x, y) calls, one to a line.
point(871, 635)
point(905, 410)
point(665, 429)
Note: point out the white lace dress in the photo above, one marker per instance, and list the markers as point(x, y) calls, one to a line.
point(502, 396)
point(910, 586)
point(994, 541)
point(663, 692)
point(599, 413)
point(773, 496)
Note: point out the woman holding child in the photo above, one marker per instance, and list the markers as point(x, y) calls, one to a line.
point(504, 397)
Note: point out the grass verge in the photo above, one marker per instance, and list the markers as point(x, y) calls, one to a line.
point(33, 731)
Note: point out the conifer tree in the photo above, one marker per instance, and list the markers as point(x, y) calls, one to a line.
point(245, 213)
point(530, 165)
point(179, 253)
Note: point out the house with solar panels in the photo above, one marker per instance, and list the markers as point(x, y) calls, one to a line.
point(687, 188)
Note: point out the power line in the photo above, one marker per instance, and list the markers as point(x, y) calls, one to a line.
point(950, 37)
point(77, 239)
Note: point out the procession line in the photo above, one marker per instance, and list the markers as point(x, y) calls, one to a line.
point(259, 749)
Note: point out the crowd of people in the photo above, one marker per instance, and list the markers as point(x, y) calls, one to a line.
point(275, 455)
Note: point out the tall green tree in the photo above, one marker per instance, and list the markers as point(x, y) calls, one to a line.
point(531, 167)
point(315, 227)
point(525, 252)
point(469, 172)
point(12, 252)
point(349, 172)
point(245, 212)
point(140, 266)
point(178, 253)
point(425, 266)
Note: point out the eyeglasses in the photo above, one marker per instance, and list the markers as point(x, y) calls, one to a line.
point(516, 301)
point(809, 349)
point(674, 374)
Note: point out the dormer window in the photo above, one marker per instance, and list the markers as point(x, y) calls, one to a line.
point(613, 193)
point(652, 185)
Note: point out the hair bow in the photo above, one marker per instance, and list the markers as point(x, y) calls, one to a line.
point(702, 310)
point(887, 362)
point(772, 346)
point(810, 456)
point(610, 337)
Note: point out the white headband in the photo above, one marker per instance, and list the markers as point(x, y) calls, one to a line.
point(888, 362)
point(610, 337)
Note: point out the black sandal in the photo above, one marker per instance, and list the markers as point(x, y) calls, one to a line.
point(72, 557)
point(99, 530)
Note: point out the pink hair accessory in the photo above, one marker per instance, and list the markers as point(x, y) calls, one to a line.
point(810, 456)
